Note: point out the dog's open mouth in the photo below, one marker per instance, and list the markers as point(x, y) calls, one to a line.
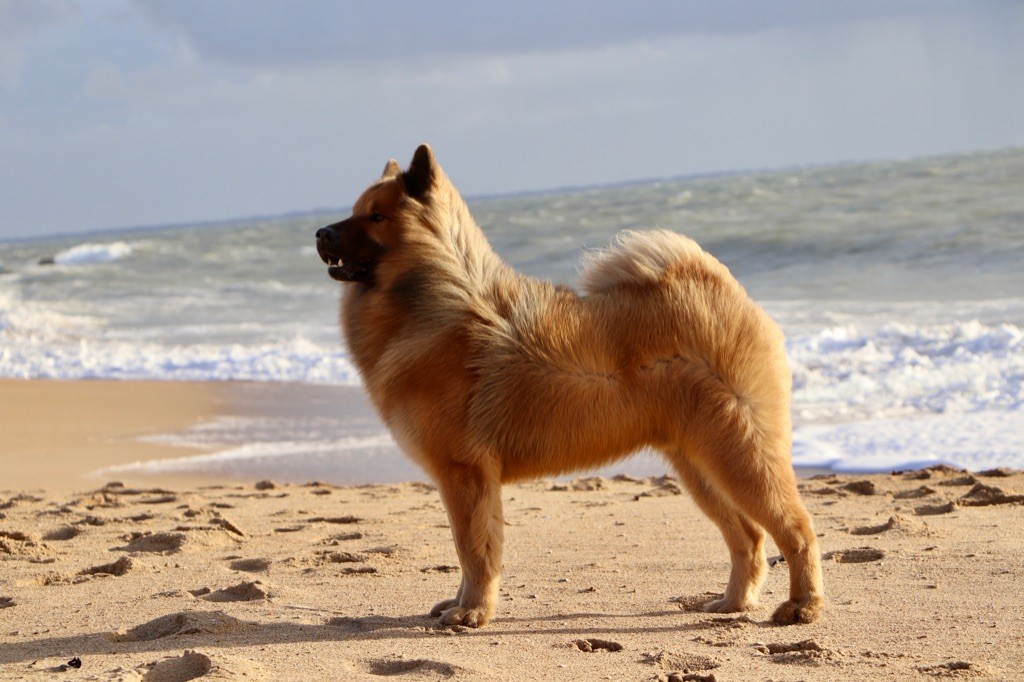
point(348, 271)
point(349, 254)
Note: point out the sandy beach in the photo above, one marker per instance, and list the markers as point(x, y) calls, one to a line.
point(604, 577)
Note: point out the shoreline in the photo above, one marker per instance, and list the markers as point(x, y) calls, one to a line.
point(53, 433)
point(72, 435)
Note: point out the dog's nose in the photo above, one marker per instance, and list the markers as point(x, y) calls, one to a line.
point(324, 235)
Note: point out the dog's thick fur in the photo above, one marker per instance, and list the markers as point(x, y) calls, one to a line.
point(486, 376)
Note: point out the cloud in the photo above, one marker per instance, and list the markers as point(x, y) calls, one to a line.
point(19, 22)
point(278, 34)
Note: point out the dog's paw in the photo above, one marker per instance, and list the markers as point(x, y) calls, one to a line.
point(471, 617)
point(804, 611)
point(729, 605)
point(442, 606)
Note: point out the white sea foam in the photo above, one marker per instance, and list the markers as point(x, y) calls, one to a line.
point(974, 441)
point(296, 359)
point(846, 373)
point(89, 253)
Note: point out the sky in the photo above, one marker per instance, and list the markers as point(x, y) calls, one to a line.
point(125, 113)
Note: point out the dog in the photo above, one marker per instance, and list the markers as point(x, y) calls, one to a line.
point(486, 376)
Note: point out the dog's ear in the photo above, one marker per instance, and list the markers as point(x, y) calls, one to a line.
point(422, 173)
point(391, 170)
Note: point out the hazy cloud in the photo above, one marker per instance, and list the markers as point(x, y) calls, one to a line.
point(139, 111)
point(19, 21)
point(314, 31)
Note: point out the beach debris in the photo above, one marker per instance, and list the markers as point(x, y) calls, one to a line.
point(74, 664)
point(593, 644)
point(265, 485)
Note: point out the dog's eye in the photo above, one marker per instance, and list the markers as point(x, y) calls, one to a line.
point(376, 217)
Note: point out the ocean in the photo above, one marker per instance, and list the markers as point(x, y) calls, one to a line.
point(899, 285)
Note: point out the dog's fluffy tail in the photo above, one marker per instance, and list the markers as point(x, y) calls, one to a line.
point(639, 259)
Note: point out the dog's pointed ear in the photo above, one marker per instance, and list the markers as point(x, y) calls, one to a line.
point(422, 173)
point(391, 170)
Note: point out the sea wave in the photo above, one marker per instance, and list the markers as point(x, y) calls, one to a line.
point(296, 360)
point(845, 372)
point(90, 253)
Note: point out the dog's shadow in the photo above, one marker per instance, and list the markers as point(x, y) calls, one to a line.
point(343, 629)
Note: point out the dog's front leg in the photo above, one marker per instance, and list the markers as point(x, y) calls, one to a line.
point(472, 496)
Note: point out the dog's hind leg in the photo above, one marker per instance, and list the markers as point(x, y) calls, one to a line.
point(758, 478)
point(472, 497)
point(744, 538)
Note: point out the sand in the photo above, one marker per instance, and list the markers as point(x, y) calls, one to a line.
point(174, 580)
point(54, 433)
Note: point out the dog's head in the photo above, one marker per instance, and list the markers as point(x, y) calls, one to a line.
point(354, 247)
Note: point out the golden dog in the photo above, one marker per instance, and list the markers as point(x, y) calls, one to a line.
point(486, 376)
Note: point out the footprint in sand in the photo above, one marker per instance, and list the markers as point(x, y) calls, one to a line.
point(183, 623)
point(440, 568)
point(250, 565)
point(807, 652)
point(117, 568)
point(158, 543)
point(696, 602)
point(339, 538)
point(244, 591)
point(63, 533)
point(195, 665)
point(681, 664)
point(896, 523)
point(935, 509)
point(958, 669)
point(861, 488)
point(858, 555)
point(23, 546)
point(335, 519)
point(417, 668)
point(920, 491)
point(982, 495)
